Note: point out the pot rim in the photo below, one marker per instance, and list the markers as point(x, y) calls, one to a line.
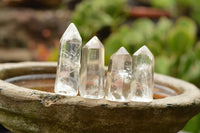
point(189, 94)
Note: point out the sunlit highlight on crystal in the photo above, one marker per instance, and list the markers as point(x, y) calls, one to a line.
point(92, 70)
point(67, 76)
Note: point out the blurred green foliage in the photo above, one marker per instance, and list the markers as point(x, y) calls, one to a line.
point(164, 4)
point(93, 15)
point(131, 37)
point(173, 42)
point(173, 45)
point(180, 7)
point(193, 125)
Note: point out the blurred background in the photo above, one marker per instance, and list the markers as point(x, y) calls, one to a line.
point(30, 30)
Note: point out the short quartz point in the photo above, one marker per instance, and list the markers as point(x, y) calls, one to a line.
point(143, 75)
point(92, 70)
point(67, 77)
point(119, 76)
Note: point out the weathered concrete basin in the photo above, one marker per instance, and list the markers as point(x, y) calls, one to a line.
point(24, 110)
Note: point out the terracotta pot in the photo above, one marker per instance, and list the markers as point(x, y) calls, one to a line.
point(140, 12)
point(24, 110)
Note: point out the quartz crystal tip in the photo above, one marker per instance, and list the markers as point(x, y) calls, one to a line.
point(68, 68)
point(119, 76)
point(94, 43)
point(120, 51)
point(143, 75)
point(92, 70)
point(71, 33)
point(145, 51)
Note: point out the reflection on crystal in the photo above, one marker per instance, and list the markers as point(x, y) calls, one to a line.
point(92, 70)
point(143, 71)
point(119, 76)
point(69, 62)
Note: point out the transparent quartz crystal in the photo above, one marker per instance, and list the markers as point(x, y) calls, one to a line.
point(92, 70)
point(67, 77)
point(143, 75)
point(119, 76)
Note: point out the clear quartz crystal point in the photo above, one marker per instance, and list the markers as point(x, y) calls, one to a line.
point(119, 76)
point(92, 70)
point(67, 77)
point(143, 75)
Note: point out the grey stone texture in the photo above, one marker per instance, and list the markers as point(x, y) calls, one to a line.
point(24, 110)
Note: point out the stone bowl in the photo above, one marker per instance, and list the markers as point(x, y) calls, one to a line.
point(24, 110)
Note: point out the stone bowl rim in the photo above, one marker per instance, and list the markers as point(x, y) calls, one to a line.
point(190, 94)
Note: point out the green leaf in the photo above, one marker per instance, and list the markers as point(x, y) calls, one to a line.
point(162, 28)
point(180, 40)
point(197, 50)
point(187, 23)
point(192, 74)
point(182, 37)
point(165, 4)
point(145, 26)
point(184, 3)
point(155, 47)
point(92, 15)
point(193, 125)
point(186, 62)
point(164, 64)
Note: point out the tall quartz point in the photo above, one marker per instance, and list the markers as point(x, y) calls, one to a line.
point(119, 76)
point(92, 70)
point(143, 75)
point(68, 68)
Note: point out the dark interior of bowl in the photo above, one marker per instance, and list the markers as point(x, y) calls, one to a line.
point(45, 82)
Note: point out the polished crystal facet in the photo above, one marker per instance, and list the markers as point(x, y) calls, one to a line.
point(119, 76)
point(92, 70)
point(143, 75)
point(67, 77)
